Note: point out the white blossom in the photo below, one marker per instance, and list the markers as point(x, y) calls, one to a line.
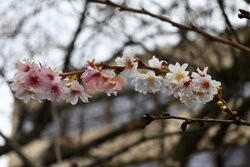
point(149, 83)
point(205, 87)
point(74, 91)
point(187, 94)
point(155, 62)
point(176, 78)
point(128, 61)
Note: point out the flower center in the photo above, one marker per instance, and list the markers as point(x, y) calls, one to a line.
point(199, 93)
point(206, 85)
point(51, 77)
point(151, 80)
point(33, 80)
point(130, 64)
point(75, 92)
point(55, 89)
point(112, 85)
point(26, 68)
point(179, 76)
point(186, 84)
point(202, 75)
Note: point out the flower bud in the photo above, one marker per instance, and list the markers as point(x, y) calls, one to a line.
point(219, 91)
point(224, 107)
point(164, 67)
point(219, 103)
point(234, 113)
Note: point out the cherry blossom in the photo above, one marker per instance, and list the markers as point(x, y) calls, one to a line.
point(149, 83)
point(74, 91)
point(176, 78)
point(187, 94)
point(129, 62)
point(35, 82)
point(205, 87)
point(155, 62)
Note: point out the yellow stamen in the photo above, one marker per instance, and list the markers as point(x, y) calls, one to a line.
point(151, 80)
point(179, 76)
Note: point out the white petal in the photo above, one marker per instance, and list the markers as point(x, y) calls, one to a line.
point(120, 61)
point(184, 66)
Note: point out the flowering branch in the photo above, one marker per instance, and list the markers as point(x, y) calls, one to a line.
point(175, 24)
point(148, 118)
point(104, 66)
point(36, 82)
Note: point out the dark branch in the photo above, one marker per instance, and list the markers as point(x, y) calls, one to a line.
point(221, 4)
point(149, 118)
point(14, 146)
point(71, 46)
point(175, 24)
point(244, 14)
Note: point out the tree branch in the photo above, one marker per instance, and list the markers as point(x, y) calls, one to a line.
point(71, 46)
point(141, 65)
point(14, 146)
point(175, 24)
point(221, 5)
point(126, 148)
point(148, 118)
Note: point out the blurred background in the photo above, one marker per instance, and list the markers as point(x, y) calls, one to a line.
point(107, 131)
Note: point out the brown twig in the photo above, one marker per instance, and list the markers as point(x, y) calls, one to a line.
point(175, 24)
point(244, 14)
point(149, 118)
point(141, 65)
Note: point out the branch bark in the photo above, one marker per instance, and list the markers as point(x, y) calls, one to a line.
point(14, 146)
point(148, 118)
point(175, 24)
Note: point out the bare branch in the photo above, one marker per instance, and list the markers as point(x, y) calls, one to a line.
point(14, 146)
point(244, 14)
point(175, 24)
point(221, 4)
point(149, 118)
point(71, 46)
point(126, 148)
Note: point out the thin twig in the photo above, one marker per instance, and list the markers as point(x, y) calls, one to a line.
point(14, 146)
point(175, 24)
point(148, 118)
point(221, 5)
point(71, 45)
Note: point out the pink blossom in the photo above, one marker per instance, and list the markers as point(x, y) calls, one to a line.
point(55, 91)
point(128, 61)
point(26, 65)
point(49, 75)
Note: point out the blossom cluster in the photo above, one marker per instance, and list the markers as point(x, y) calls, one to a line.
point(35, 82)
